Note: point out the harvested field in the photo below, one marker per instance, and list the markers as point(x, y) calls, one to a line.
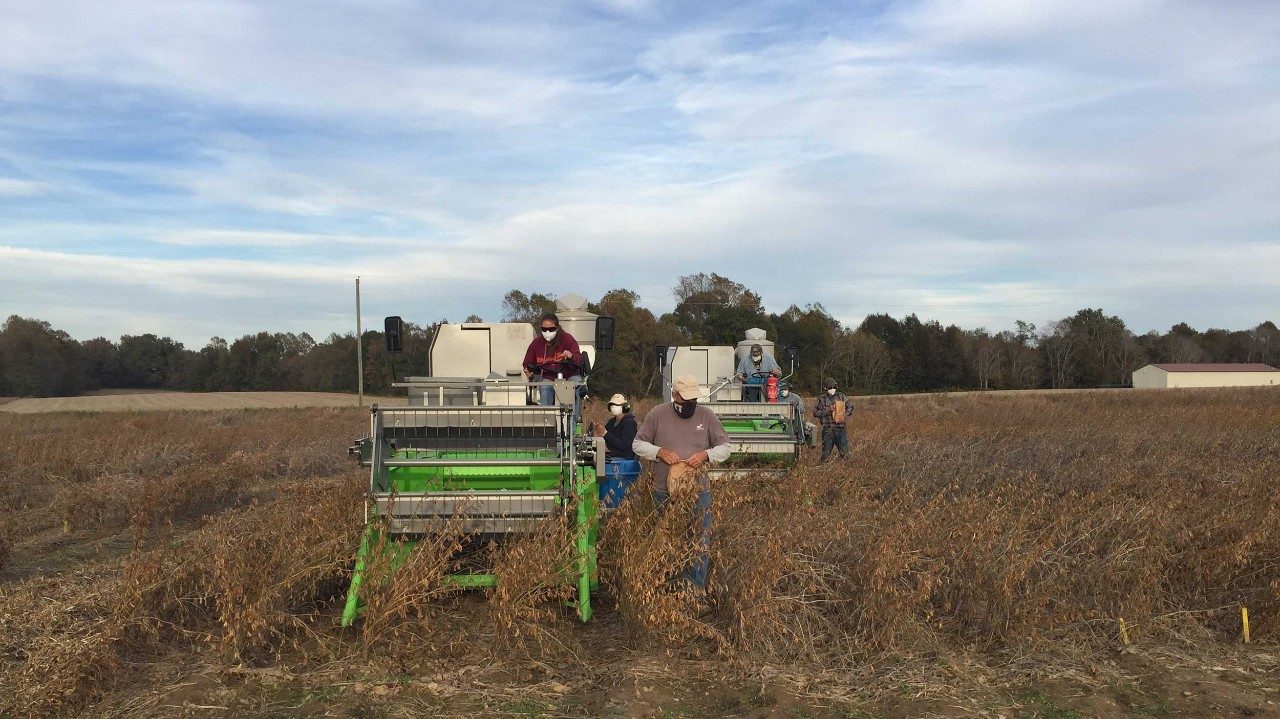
point(974, 558)
point(128, 401)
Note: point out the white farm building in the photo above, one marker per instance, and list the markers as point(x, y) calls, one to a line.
point(1162, 376)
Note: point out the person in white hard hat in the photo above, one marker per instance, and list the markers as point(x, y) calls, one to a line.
point(681, 439)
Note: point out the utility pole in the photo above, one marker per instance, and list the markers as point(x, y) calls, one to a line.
point(359, 348)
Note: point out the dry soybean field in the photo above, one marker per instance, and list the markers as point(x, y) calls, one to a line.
point(129, 400)
point(975, 557)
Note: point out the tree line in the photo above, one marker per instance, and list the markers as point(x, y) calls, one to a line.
point(883, 354)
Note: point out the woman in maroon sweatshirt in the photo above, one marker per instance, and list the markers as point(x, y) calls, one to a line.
point(554, 354)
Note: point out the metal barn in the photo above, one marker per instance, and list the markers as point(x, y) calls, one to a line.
point(1166, 376)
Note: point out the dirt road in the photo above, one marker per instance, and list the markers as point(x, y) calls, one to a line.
point(114, 401)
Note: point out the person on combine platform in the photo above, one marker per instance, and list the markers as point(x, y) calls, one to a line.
point(621, 468)
point(553, 354)
point(786, 396)
point(681, 439)
point(752, 370)
point(620, 431)
point(833, 410)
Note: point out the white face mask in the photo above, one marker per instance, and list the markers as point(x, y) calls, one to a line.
point(756, 358)
point(786, 392)
point(832, 391)
point(548, 335)
point(615, 410)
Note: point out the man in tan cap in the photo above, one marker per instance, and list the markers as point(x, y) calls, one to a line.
point(681, 439)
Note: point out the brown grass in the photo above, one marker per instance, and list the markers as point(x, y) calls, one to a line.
point(161, 400)
point(1014, 530)
point(106, 472)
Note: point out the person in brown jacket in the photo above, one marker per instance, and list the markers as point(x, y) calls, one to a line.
point(680, 438)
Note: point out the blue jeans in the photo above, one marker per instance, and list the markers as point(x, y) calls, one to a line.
point(696, 572)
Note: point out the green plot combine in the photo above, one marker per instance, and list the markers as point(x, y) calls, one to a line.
point(474, 452)
point(766, 435)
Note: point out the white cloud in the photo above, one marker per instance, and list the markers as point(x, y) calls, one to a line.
point(974, 161)
point(13, 187)
point(272, 239)
point(291, 57)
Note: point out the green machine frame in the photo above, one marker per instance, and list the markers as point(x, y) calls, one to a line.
point(488, 471)
point(765, 437)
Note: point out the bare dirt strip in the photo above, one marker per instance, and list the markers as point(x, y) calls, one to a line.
point(117, 401)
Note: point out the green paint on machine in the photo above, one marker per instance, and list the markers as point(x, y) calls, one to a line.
point(450, 473)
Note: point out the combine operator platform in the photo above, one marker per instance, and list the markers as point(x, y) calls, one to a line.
point(487, 471)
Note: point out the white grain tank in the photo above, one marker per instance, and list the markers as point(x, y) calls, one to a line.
point(475, 351)
point(577, 321)
point(712, 366)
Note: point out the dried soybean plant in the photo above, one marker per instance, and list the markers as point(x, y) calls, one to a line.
point(401, 587)
point(642, 548)
point(527, 609)
point(248, 584)
point(976, 527)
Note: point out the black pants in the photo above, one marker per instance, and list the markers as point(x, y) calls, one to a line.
point(834, 435)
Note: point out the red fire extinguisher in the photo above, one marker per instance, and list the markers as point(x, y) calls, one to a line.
point(771, 389)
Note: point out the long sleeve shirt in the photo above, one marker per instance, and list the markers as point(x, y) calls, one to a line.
point(546, 355)
point(767, 364)
point(822, 410)
point(663, 428)
point(794, 399)
point(619, 434)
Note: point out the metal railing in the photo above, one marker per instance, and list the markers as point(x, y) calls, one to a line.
point(497, 391)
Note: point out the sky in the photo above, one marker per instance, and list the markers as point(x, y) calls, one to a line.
point(197, 168)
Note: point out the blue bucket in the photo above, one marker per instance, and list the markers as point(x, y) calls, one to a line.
point(618, 476)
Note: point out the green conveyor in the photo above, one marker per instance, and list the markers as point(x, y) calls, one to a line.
point(761, 426)
point(761, 436)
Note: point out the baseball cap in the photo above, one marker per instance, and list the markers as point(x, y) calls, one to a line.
point(686, 386)
point(618, 399)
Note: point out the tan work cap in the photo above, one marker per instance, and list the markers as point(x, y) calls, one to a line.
point(618, 399)
point(686, 386)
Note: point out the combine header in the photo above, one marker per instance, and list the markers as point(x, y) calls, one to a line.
point(473, 454)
